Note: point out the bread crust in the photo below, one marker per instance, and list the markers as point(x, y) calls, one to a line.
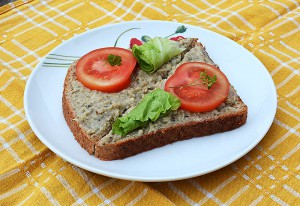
point(130, 147)
point(80, 135)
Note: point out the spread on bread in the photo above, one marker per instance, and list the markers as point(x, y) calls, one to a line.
point(139, 116)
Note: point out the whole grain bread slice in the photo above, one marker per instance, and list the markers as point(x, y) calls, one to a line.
point(90, 114)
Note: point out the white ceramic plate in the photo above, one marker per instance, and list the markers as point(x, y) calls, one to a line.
point(185, 159)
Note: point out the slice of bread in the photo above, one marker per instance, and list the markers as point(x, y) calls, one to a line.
point(90, 114)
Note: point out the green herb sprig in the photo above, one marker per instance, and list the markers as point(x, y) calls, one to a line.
point(206, 80)
point(113, 60)
point(180, 29)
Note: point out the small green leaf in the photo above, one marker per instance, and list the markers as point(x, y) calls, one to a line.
point(145, 38)
point(114, 60)
point(180, 29)
point(208, 80)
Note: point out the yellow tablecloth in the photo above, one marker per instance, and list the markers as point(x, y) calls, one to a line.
point(31, 174)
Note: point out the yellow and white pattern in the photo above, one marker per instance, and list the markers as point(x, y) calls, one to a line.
point(30, 174)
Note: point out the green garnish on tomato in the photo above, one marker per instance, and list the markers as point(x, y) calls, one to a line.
point(114, 60)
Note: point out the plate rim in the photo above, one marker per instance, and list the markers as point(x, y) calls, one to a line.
point(134, 177)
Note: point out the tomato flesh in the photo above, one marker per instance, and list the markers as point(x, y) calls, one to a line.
point(189, 88)
point(94, 72)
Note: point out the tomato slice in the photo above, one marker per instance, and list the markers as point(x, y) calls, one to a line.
point(186, 84)
point(94, 72)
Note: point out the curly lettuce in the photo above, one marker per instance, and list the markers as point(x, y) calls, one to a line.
point(154, 53)
point(153, 106)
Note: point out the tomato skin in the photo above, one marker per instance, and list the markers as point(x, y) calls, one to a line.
point(198, 98)
point(94, 72)
point(177, 38)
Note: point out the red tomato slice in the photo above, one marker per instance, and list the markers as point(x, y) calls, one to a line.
point(197, 97)
point(94, 72)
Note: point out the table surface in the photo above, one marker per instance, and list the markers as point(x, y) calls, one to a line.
point(31, 174)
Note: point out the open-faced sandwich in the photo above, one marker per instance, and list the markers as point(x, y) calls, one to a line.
point(120, 102)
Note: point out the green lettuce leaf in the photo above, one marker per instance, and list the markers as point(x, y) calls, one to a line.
point(153, 106)
point(154, 53)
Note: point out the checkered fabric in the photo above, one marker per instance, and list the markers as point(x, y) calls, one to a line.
point(31, 174)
